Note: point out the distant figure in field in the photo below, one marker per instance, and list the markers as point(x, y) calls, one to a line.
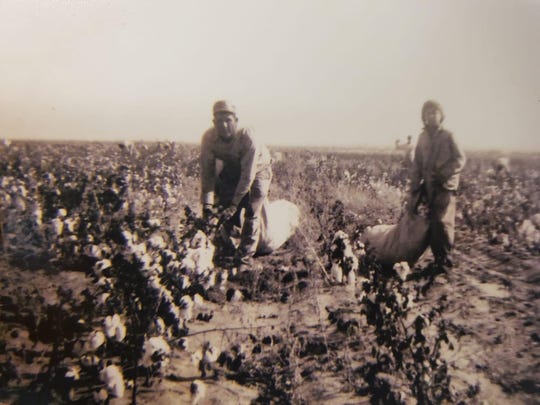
point(243, 183)
point(438, 161)
point(408, 148)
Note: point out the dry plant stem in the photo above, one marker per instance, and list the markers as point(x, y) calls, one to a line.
point(325, 274)
point(234, 329)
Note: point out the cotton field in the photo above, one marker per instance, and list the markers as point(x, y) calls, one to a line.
point(113, 287)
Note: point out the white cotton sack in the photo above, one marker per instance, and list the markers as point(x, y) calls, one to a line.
point(279, 222)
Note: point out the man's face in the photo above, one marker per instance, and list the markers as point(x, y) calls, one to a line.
point(225, 124)
point(432, 117)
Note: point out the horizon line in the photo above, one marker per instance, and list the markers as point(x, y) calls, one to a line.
point(340, 148)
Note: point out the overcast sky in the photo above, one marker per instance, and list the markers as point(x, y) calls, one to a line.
point(313, 72)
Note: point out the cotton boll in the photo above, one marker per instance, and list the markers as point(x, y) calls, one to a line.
point(71, 238)
point(113, 379)
point(184, 282)
point(127, 236)
point(159, 326)
point(402, 269)
point(343, 254)
point(155, 283)
point(198, 300)
point(336, 273)
point(89, 360)
point(73, 373)
point(95, 340)
point(110, 324)
point(528, 232)
point(183, 343)
point(93, 251)
point(101, 265)
point(145, 260)
point(102, 298)
point(505, 239)
point(114, 327)
point(106, 283)
point(37, 214)
point(197, 356)
point(360, 249)
point(174, 265)
point(198, 392)
point(235, 295)
point(210, 353)
point(156, 241)
point(156, 345)
point(186, 308)
point(120, 332)
point(199, 240)
point(153, 223)
point(70, 224)
point(106, 250)
point(198, 260)
point(57, 226)
point(223, 278)
point(100, 395)
point(351, 278)
point(401, 299)
point(199, 254)
point(210, 280)
point(135, 249)
point(535, 219)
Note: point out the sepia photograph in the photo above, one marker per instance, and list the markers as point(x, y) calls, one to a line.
point(269, 202)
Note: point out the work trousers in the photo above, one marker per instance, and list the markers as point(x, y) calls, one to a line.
point(247, 218)
point(442, 213)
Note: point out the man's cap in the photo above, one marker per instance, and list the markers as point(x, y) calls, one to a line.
point(224, 106)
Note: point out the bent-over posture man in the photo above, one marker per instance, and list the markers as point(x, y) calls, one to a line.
point(243, 183)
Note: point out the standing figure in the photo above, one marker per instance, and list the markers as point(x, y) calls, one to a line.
point(241, 187)
point(437, 163)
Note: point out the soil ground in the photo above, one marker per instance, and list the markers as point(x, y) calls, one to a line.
point(492, 315)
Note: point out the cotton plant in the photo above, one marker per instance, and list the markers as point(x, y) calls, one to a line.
point(199, 254)
point(156, 353)
point(344, 261)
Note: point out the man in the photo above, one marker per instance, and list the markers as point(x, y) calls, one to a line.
point(437, 163)
point(242, 184)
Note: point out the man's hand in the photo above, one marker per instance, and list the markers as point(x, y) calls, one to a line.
point(228, 212)
point(208, 211)
point(416, 198)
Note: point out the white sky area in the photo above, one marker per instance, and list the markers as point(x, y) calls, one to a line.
point(306, 73)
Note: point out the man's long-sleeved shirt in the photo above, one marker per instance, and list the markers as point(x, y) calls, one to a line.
point(438, 160)
point(242, 150)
